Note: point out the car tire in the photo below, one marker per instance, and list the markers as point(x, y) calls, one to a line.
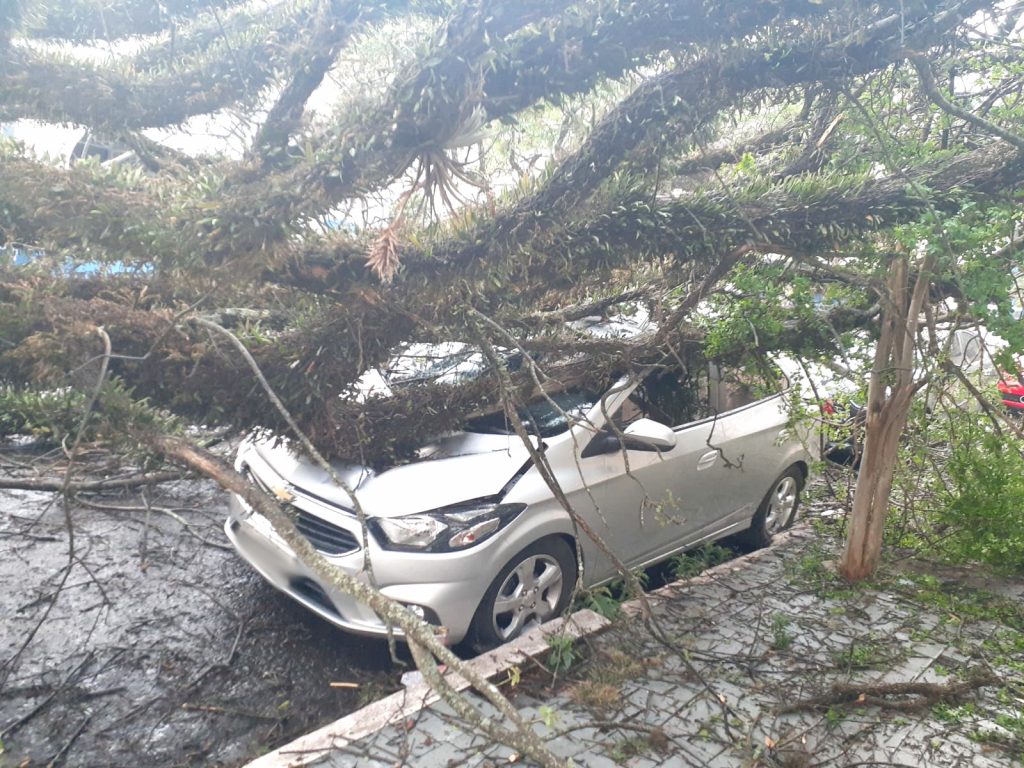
point(777, 510)
point(533, 587)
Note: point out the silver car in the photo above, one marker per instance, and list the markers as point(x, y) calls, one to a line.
point(471, 538)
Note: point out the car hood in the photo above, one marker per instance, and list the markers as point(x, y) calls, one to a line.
point(451, 470)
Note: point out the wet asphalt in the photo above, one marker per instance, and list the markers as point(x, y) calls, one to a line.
point(149, 643)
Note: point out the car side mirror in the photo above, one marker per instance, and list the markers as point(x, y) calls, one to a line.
point(649, 435)
point(641, 435)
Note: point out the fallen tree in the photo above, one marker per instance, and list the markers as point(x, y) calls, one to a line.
point(735, 158)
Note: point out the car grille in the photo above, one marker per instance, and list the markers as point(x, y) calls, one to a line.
point(326, 537)
point(313, 592)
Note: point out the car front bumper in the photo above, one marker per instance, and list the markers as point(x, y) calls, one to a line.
point(407, 578)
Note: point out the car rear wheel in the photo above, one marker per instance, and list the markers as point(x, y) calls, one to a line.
point(533, 587)
point(777, 510)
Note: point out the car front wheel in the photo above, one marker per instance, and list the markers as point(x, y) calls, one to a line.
point(533, 587)
point(777, 510)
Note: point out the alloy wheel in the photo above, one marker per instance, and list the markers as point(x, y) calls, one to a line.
point(530, 593)
point(781, 504)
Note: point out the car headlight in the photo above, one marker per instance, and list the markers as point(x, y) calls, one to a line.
point(446, 529)
point(415, 531)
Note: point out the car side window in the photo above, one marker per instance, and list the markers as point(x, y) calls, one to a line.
point(734, 386)
point(669, 396)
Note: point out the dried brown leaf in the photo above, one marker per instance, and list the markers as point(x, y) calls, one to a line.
point(383, 256)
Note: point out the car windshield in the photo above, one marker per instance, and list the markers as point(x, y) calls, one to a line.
point(458, 363)
point(446, 363)
point(546, 416)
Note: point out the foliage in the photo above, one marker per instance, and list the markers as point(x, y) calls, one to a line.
point(983, 506)
point(562, 653)
point(741, 174)
point(959, 485)
point(695, 562)
point(602, 600)
point(211, 230)
point(55, 415)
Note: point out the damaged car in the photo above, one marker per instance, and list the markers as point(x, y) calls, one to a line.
point(471, 538)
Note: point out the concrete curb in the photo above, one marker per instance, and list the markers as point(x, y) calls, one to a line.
point(674, 589)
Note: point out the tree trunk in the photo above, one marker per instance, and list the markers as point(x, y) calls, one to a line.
point(891, 391)
point(874, 484)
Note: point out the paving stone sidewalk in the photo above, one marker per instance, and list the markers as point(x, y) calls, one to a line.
point(745, 640)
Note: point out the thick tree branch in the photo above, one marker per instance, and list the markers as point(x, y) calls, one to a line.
point(924, 73)
point(334, 23)
point(88, 486)
point(86, 20)
point(110, 97)
point(432, 102)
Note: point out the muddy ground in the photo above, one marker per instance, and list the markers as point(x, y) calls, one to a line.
point(158, 646)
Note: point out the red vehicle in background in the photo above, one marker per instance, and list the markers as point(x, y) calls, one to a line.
point(1011, 389)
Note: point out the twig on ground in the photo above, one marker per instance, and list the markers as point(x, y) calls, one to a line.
point(27, 535)
point(217, 710)
point(11, 664)
point(144, 537)
point(85, 486)
point(160, 510)
point(234, 645)
point(905, 697)
point(55, 760)
point(50, 595)
point(11, 728)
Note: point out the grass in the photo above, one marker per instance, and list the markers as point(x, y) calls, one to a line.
point(958, 604)
point(696, 561)
point(628, 747)
point(867, 653)
point(954, 715)
point(595, 695)
point(1007, 735)
point(608, 598)
point(600, 690)
point(962, 602)
point(814, 571)
point(782, 638)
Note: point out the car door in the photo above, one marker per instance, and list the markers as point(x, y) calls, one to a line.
point(647, 504)
point(752, 426)
point(641, 501)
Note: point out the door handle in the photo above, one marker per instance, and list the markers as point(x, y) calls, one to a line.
point(707, 460)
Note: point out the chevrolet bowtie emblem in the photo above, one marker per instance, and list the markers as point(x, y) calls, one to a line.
point(283, 494)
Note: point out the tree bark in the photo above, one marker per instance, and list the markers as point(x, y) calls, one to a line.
point(891, 391)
